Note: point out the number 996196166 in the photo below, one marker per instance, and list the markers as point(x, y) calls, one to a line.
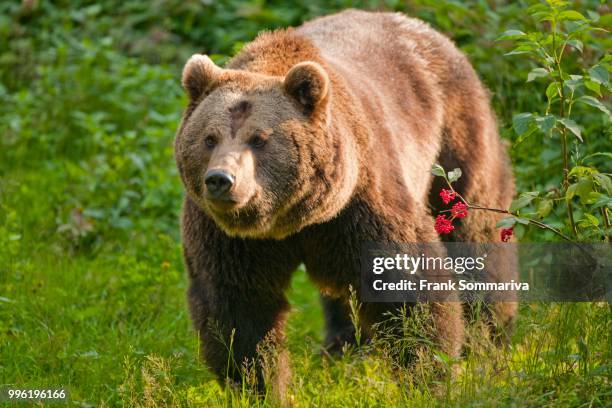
point(11, 393)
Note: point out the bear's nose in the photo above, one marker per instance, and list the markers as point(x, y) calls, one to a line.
point(218, 182)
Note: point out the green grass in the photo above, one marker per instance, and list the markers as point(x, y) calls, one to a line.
point(115, 330)
point(92, 285)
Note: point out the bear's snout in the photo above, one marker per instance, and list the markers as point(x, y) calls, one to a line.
point(218, 183)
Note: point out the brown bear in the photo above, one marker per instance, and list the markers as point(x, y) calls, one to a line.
point(309, 142)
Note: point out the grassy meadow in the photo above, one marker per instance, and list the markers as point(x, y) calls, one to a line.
point(92, 285)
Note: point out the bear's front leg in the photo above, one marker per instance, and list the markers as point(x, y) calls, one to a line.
point(339, 328)
point(241, 333)
point(237, 301)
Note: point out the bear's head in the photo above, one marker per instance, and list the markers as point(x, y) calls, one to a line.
point(260, 154)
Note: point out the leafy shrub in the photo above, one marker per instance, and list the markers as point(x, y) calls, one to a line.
point(564, 49)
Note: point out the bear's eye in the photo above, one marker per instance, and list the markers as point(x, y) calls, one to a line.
point(210, 141)
point(257, 141)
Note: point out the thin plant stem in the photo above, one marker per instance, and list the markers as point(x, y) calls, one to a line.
point(500, 211)
point(562, 130)
point(604, 215)
point(533, 222)
point(529, 220)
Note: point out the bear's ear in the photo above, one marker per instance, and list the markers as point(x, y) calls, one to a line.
point(308, 83)
point(199, 73)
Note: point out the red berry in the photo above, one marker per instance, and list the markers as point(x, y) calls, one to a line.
point(447, 195)
point(459, 210)
point(443, 225)
point(506, 234)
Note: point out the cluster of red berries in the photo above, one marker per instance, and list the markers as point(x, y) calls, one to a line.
point(459, 210)
point(506, 234)
point(445, 225)
point(447, 195)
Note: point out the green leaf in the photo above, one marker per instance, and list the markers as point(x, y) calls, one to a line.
point(524, 136)
point(538, 8)
point(454, 175)
point(524, 48)
point(521, 220)
point(574, 83)
point(599, 74)
point(545, 123)
point(506, 222)
point(522, 122)
point(603, 201)
point(519, 231)
point(548, 59)
point(542, 16)
point(571, 15)
point(545, 206)
point(523, 200)
point(536, 73)
point(581, 171)
point(577, 44)
point(583, 188)
point(589, 100)
point(593, 197)
point(511, 35)
point(438, 170)
point(604, 181)
point(552, 90)
point(572, 127)
point(570, 192)
point(594, 16)
point(509, 222)
point(589, 220)
point(516, 52)
point(593, 86)
point(604, 154)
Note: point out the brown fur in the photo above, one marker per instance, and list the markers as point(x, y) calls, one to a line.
point(354, 108)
